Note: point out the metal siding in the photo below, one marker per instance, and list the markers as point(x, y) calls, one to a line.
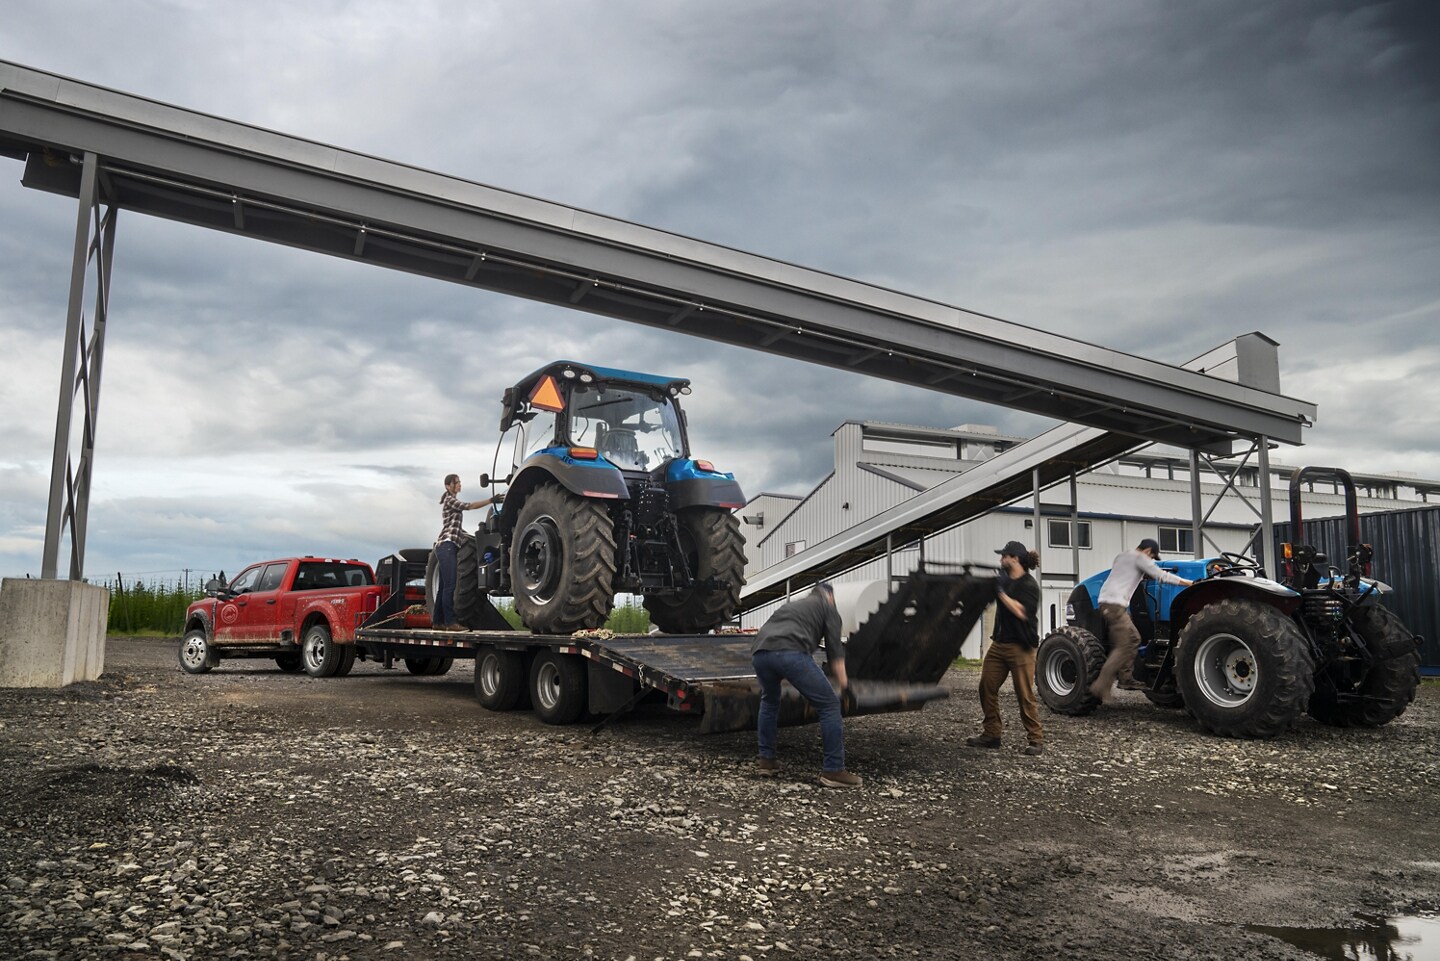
point(1407, 557)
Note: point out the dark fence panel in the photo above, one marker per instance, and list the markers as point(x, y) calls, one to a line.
point(1407, 557)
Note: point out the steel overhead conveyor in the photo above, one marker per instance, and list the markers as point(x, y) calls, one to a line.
point(116, 151)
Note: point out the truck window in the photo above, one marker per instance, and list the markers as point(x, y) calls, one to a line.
point(328, 575)
point(270, 580)
point(247, 580)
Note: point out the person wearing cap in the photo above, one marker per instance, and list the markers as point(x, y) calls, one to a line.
point(1012, 650)
point(1129, 569)
point(784, 650)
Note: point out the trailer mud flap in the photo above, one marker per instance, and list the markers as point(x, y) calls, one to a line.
point(736, 706)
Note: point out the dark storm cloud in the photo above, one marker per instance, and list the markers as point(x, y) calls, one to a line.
point(1154, 178)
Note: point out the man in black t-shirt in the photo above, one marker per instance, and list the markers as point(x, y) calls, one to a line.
point(1012, 649)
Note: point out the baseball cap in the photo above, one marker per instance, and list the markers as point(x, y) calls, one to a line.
point(1013, 549)
point(1150, 544)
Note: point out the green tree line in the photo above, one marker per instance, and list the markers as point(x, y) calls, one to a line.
point(156, 608)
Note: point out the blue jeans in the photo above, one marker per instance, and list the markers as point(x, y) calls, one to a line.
point(446, 551)
point(771, 667)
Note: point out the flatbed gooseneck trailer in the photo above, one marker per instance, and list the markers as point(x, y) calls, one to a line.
point(895, 659)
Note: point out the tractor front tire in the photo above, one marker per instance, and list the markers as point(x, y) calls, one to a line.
point(468, 598)
point(1387, 688)
point(710, 538)
point(1167, 697)
point(1244, 669)
point(562, 563)
point(1066, 664)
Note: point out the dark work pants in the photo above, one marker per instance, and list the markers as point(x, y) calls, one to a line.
point(1018, 662)
point(446, 551)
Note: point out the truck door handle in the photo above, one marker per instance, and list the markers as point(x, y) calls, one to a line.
point(271, 601)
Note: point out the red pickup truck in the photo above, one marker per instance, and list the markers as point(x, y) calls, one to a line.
point(302, 611)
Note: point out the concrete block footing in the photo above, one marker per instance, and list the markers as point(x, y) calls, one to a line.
point(52, 632)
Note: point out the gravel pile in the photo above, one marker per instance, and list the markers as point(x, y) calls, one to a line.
point(252, 814)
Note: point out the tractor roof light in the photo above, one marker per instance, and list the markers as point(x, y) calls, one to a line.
point(586, 378)
point(568, 373)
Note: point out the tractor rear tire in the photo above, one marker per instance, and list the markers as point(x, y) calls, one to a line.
point(1244, 669)
point(1066, 664)
point(1388, 687)
point(714, 548)
point(562, 564)
point(500, 678)
point(468, 598)
point(559, 687)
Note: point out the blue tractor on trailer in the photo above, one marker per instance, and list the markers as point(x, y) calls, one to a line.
point(604, 497)
point(1244, 654)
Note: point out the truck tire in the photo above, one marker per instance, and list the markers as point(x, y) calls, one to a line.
point(562, 563)
point(1387, 687)
point(196, 654)
point(558, 687)
point(710, 538)
point(428, 666)
point(322, 656)
point(499, 678)
point(289, 663)
point(347, 660)
point(1244, 669)
point(1066, 664)
point(1167, 697)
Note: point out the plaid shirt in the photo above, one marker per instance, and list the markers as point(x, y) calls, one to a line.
point(451, 516)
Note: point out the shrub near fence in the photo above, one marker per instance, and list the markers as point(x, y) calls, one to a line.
point(140, 608)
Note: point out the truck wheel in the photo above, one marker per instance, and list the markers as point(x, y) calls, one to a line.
point(196, 654)
point(558, 687)
point(1066, 664)
point(1244, 669)
point(713, 547)
point(319, 651)
point(347, 660)
point(289, 663)
point(499, 678)
point(1168, 697)
point(562, 563)
point(1387, 688)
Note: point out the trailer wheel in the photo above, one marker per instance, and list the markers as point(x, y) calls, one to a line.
point(1066, 664)
point(1244, 669)
point(289, 663)
point(558, 687)
point(428, 666)
point(562, 564)
point(322, 656)
point(1385, 689)
point(499, 678)
point(714, 549)
point(196, 654)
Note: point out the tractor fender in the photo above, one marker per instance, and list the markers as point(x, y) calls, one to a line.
point(716, 491)
point(591, 479)
point(1212, 590)
point(1080, 611)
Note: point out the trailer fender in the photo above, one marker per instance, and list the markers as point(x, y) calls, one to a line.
point(1214, 589)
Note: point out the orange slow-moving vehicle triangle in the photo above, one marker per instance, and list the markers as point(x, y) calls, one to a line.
point(546, 395)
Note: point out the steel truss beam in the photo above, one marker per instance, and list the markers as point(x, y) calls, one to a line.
point(1264, 533)
point(80, 370)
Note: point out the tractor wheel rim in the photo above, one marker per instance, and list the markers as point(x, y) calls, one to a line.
point(193, 652)
point(547, 686)
point(490, 674)
point(1061, 672)
point(540, 559)
point(1226, 671)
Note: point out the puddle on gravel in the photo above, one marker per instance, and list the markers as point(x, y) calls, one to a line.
point(1401, 938)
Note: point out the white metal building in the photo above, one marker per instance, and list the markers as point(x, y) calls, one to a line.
point(1146, 494)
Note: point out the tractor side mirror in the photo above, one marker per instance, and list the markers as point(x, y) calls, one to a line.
point(485, 480)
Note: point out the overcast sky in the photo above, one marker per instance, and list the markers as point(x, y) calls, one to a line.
point(1152, 177)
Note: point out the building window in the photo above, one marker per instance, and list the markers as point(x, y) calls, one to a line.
point(793, 548)
point(1060, 533)
point(1177, 540)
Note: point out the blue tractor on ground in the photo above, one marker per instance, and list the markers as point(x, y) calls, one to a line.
point(604, 497)
point(1244, 654)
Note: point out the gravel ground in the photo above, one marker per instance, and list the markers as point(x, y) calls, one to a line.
point(249, 813)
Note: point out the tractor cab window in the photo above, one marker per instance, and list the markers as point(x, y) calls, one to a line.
point(535, 433)
point(631, 429)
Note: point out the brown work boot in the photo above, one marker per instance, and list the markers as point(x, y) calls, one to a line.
point(1034, 748)
point(767, 767)
point(983, 740)
point(840, 779)
point(1131, 683)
